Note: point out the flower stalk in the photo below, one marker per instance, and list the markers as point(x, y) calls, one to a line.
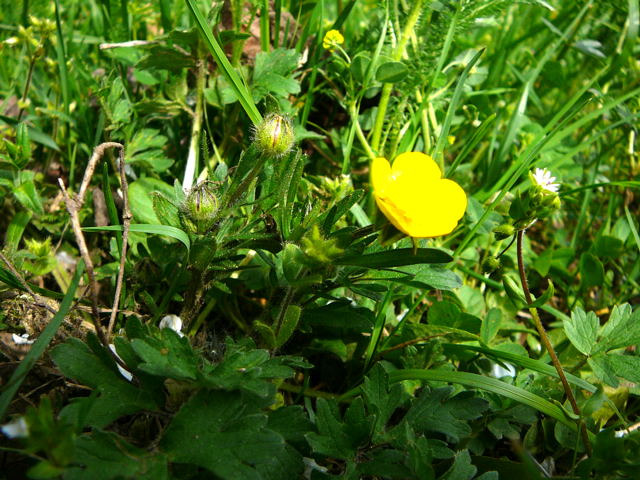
point(547, 343)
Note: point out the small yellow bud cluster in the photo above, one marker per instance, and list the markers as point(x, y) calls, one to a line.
point(332, 40)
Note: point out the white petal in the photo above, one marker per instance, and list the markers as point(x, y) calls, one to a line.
point(16, 428)
point(173, 322)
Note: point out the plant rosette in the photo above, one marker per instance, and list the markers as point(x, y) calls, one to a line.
point(415, 198)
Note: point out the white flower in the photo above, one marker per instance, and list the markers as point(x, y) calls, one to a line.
point(173, 322)
point(543, 178)
point(125, 373)
point(16, 428)
point(21, 339)
point(499, 371)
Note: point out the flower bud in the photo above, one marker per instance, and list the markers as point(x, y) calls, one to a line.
point(504, 231)
point(490, 264)
point(274, 137)
point(198, 211)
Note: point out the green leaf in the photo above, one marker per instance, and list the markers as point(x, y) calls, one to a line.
point(462, 469)
point(625, 366)
point(95, 368)
point(170, 356)
point(436, 411)
point(107, 456)
point(603, 369)
point(140, 199)
point(396, 258)
point(227, 435)
point(486, 383)
point(16, 228)
point(165, 210)
point(591, 271)
point(621, 330)
point(490, 325)
point(28, 196)
point(391, 72)
point(448, 314)
point(335, 438)
point(289, 324)
point(582, 329)
point(381, 398)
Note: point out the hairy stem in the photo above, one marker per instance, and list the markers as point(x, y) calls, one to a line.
point(547, 343)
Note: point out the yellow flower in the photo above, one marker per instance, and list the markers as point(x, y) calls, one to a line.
point(415, 198)
point(332, 39)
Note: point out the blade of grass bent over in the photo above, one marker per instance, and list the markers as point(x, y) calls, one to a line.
point(236, 82)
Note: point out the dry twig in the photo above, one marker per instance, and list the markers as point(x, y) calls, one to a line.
point(74, 204)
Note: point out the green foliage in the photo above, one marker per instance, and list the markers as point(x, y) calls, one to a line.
point(271, 322)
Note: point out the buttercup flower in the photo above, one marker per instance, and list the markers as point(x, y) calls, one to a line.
point(332, 39)
point(542, 177)
point(415, 198)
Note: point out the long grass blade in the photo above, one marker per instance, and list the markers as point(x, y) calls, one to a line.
point(239, 87)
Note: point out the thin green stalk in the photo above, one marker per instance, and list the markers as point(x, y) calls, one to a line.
point(388, 87)
point(264, 26)
point(361, 136)
point(547, 343)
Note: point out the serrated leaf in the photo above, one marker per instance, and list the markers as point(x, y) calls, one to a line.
point(222, 432)
point(603, 369)
point(106, 455)
point(625, 366)
point(381, 398)
point(621, 330)
point(435, 411)
point(582, 330)
point(170, 356)
point(117, 397)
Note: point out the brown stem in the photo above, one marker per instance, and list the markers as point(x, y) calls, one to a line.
point(73, 207)
point(547, 343)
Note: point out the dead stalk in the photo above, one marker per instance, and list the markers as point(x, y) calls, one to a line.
point(74, 204)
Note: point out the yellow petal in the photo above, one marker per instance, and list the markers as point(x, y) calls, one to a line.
point(380, 174)
point(441, 206)
point(414, 197)
point(416, 165)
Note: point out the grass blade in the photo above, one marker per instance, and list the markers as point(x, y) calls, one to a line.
point(490, 385)
point(165, 230)
point(236, 82)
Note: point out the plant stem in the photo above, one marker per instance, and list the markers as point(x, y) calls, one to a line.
point(547, 343)
point(388, 87)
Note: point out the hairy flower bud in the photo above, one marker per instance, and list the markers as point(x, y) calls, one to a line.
point(504, 231)
point(274, 137)
point(198, 211)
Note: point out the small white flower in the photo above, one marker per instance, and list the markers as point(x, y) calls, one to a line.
point(16, 428)
point(499, 371)
point(543, 178)
point(173, 322)
point(21, 339)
